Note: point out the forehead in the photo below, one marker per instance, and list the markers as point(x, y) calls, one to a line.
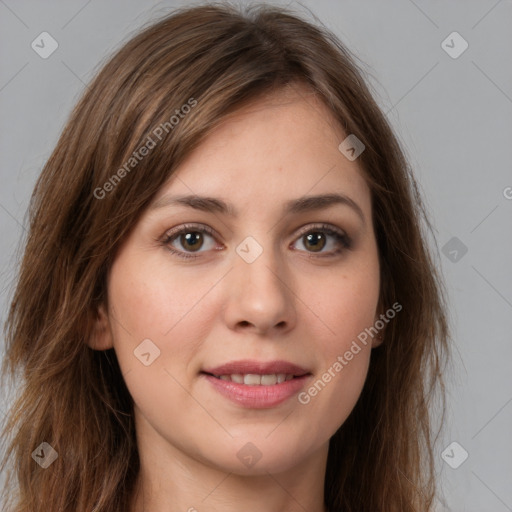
point(281, 146)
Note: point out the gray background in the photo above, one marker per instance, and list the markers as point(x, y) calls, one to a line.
point(452, 115)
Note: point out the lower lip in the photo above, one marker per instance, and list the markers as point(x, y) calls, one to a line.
point(257, 397)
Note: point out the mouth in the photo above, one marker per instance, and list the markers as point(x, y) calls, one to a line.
point(257, 385)
point(262, 368)
point(254, 379)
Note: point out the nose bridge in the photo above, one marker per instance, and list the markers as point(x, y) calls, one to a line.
point(259, 266)
point(259, 292)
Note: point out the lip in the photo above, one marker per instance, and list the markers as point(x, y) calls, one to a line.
point(258, 367)
point(257, 397)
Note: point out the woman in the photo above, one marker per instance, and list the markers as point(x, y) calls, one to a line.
point(226, 300)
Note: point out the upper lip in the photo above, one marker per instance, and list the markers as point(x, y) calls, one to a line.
point(246, 366)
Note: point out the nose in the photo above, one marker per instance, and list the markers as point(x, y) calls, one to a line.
point(260, 296)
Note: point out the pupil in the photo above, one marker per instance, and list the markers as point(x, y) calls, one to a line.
point(315, 238)
point(192, 239)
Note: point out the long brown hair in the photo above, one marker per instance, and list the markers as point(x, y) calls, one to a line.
point(75, 398)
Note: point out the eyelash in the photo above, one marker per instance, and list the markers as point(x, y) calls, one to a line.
point(341, 238)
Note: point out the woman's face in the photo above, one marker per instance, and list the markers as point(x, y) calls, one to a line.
point(281, 284)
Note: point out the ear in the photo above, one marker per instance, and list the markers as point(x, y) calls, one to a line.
point(379, 338)
point(101, 338)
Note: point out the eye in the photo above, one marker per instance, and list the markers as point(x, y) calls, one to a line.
point(191, 237)
point(316, 238)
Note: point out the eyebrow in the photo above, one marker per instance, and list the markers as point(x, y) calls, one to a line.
point(294, 206)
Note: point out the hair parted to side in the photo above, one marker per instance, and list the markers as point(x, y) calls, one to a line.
point(74, 397)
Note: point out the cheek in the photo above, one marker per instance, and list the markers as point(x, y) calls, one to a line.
point(346, 306)
point(164, 314)
point(148, 301)
point(155, 330)
point(332, 395)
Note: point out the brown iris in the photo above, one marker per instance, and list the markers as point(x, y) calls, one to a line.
point(192, 240)
point(317, 240)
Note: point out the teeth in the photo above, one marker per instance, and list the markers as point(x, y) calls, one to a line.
point(268, 380)
point(251, 379)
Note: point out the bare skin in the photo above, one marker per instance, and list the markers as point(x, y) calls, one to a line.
point(302, 300)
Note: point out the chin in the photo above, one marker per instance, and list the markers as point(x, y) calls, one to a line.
point(260, 455)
